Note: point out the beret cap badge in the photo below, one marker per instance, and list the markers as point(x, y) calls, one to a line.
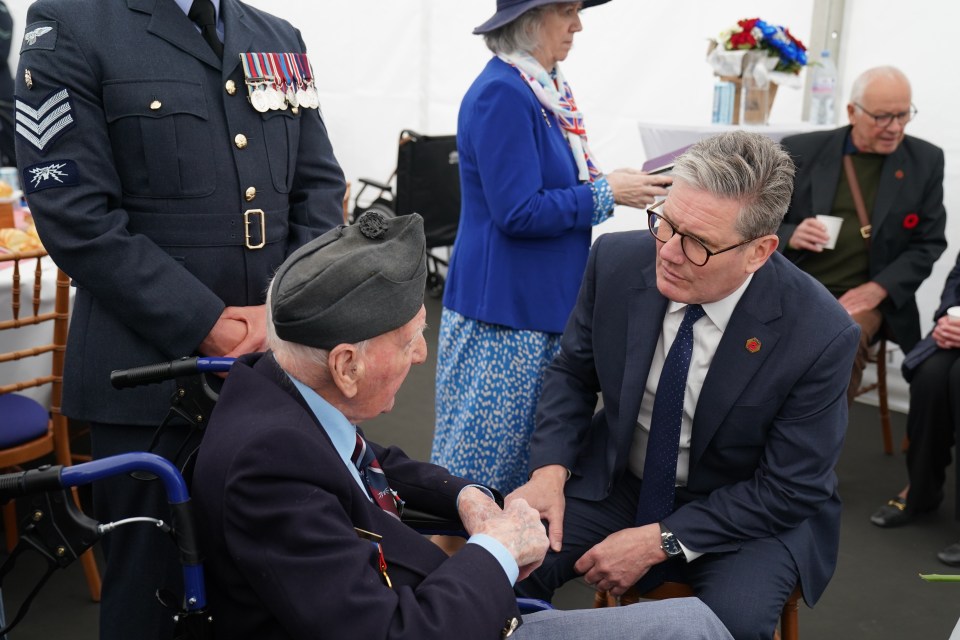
point(373, 224)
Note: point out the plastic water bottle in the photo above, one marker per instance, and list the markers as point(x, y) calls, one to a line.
point(823, 86)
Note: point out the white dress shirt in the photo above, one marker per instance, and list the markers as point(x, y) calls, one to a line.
point(707, 333)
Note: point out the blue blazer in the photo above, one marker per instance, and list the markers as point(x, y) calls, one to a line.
point(276, 513)
point(768, 426)
point(148, 219)
point(525, 218)
point(927, 347)
point(901, 255)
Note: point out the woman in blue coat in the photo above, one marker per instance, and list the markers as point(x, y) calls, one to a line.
point(531, 192)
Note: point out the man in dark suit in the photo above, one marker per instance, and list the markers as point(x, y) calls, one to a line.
point(722, 474)
point(874, 274)
point(170, 200)
point(298, 513)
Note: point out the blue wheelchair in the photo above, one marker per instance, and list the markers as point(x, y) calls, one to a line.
point(58, 531)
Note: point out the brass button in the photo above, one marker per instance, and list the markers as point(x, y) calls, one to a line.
point(240, 140)
point(231, 87)
point(156, 104)
point(250, 193)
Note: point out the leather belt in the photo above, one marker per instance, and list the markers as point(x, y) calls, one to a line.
point(252, 228)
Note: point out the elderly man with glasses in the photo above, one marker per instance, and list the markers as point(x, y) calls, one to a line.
point(887, 187)
point(722, 370)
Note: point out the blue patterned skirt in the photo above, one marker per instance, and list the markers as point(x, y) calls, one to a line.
point(489, 379)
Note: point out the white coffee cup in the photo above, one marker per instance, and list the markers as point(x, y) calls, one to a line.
point(954, 313)
point(833, 224)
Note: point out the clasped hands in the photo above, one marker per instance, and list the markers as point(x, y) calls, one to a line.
point(238, 330)
point(614, 564)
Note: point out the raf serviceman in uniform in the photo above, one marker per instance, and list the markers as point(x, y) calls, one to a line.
point(170, 200)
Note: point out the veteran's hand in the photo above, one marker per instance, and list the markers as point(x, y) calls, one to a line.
point(517, 527)
point(544, 492)
point(616, 563)
point(810, 235)
point(637, 189)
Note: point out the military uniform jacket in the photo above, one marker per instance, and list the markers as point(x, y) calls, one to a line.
point(276, 510)
point(908, 216)
point(152, 179)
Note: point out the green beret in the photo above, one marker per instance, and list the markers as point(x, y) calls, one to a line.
point(352, 283)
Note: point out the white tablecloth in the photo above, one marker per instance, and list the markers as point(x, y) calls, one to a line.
point(28, 336)
point(662, 138)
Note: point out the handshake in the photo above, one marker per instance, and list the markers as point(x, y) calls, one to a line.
point(517, 527)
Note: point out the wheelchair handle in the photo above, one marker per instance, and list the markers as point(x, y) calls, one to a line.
point(13, 485)
point(161, 371)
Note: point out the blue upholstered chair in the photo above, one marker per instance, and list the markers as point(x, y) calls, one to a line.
point(29, 432)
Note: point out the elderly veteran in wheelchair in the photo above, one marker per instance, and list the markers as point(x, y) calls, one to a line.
point(299, 515)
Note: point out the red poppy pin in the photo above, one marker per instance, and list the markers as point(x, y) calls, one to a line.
point(910, 220)
point(753, 345)
point(898, 174)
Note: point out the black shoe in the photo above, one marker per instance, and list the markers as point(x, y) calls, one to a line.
point(950, 555)
point(893, 514)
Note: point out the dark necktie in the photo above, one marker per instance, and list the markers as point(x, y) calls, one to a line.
point(658, 488)
point(371, 473)
point(205, 16)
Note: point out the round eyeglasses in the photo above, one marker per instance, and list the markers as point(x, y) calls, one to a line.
point(884, 120)
point(695, 251)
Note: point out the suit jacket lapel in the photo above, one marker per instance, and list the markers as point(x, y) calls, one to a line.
point(825, 174)
point(889, 186)
point(171, 24)
point(237, 35)
point(646, 307)
point(734, 365)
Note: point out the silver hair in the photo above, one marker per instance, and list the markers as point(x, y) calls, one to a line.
point(864, 79)
point(306, 364)
point(520, 35)
point(747, 167)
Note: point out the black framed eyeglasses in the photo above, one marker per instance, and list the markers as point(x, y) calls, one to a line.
point(695, 251)
point(884, 120)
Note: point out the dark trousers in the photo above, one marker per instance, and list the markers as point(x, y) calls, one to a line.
point(140, 559)
point(931, 424)
point(746, 589)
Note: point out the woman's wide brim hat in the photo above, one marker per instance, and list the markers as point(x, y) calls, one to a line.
point(510, 10)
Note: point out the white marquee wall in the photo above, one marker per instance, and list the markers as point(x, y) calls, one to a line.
point(387, 65)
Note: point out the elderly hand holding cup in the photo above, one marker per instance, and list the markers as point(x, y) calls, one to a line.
point(947, 332)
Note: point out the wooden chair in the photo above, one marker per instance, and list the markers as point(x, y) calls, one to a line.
point(28, 431)
point(879, 358)
point(789, 616)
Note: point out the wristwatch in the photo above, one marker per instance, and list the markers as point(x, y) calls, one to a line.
point(669, 542)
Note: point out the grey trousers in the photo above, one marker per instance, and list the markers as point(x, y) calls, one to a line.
point(675, 619)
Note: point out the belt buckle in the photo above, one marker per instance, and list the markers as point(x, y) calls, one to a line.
point(865, 231)
point(246, 228)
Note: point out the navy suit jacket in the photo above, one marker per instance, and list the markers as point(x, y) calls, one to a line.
point(148, 214)
point(901, 255)
point(927, 347)
point(276, 512)
point(768, 426)
point(525, 218)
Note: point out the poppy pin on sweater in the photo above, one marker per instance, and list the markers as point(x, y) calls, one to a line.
point(910, 220)
point(898, 174)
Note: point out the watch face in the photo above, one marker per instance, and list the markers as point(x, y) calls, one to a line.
point(669, 544)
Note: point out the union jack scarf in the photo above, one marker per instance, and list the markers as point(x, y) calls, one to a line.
point(563, 106)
